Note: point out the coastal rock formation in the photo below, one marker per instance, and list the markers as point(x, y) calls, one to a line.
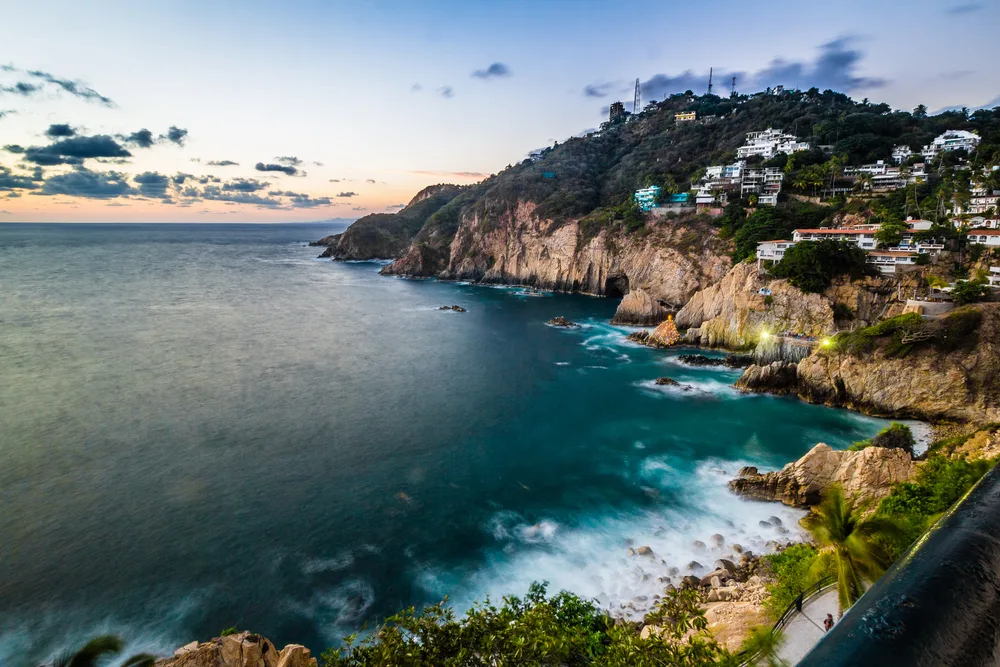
point(456, 308)
point(560, 321)
point(954, 376)
point(868, 473)
point(669, 263)
point(640, 309)
point(664, 335)
point(779, 377)
point(388, 235)
point(729, 361)
point(734, 312)
point(244, 649)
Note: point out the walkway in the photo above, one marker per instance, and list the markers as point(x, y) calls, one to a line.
point(805, 629)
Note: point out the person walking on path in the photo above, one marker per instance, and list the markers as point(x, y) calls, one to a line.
point(828, 622)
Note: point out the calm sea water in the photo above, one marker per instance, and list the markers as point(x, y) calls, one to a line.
point(203, 426)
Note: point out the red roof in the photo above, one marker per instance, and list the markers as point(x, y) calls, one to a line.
point(775, 241)
point(893, 254)
point(834, 231)
point(985, 232)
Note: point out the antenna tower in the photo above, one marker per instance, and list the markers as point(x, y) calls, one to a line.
point(635, 103)
point(733, 94)
point(709, 80)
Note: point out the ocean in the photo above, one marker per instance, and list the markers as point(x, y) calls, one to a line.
point(204, 426)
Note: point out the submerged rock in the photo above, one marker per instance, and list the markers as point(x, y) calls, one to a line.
point(456, 308)
point(729, 361)
point(670, 382)
point(560, 321)
point(868, 473)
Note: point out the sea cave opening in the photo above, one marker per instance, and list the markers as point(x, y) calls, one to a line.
point(616, 286)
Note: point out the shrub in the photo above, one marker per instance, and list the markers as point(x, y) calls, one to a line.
point(812, 266)
point(841, 311)
point(968, 291)
point(862, 341)
point(894, 436)
point(791, 576)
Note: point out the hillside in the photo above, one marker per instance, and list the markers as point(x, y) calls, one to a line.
point(387, 235)
point(564, 218)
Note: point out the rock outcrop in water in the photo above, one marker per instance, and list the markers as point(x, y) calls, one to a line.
point(869, 474)
point(952, 376)
point(664, 335)
point(244, 649)
point(640, 309)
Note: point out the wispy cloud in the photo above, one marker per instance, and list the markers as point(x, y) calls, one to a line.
point(967, 8)
point(446, 92)
point(222, 163)
point(347, 194)
point(42, 80)
point(283, 168)
point(451, 174)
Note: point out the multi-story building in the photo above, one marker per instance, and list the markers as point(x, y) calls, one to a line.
point(918, 173)
point(901, 154)
point(879, 167)
point(685, 116)
point(952, 140)
point(863, 238)
point(986, 237)
point(617, 112)
point(983, 204)
point(765, 183)
point(647, 198)
point(888, 261)
point(772, 251)
point(769, 143)
point(994, 276)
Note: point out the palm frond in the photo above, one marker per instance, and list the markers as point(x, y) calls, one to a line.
point(140, 660)
point(92, 652)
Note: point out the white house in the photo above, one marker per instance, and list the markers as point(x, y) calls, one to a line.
point(986, 237)
point(994, 276)
point(901, 154)
point(772, 251)
point(863, 238)
point(890, 261)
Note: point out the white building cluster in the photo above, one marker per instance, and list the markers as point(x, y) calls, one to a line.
point(887, 260)
point(952, 140)
point(769, 143)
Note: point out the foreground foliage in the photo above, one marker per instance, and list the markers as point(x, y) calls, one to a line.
point(791, 571)
point(535, 630)
point(893, 436)
point(98, 650)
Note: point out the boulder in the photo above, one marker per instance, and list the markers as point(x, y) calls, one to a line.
point(695, 565)
point(691, 581)
point(244, 649)
point(644, 551)
point(456, 308)
point(296, 655)
point(779, 377)
point(868, 474)
point(718, 540)
point(640, 309)
point(725, 564)
point(698, 544)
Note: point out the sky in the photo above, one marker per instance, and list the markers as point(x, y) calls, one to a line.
point(310, 110)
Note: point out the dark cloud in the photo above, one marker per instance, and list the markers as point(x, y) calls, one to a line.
point(152, 184)
point(836, 67)
point(90, 184)
point(395, 207)
point(21, 88)
point(175, 135)
point(494, 71)
point(209, 179)
point(179, 178)
point(14, 148)
point(143, 138)
point(967, 8)
point(285, 169)
point(245, 185)
point(60, 130)
point(446, 92)
point(76, 149)
point(370, 180)
point(289, 160)
point(359, 208)
point(347, 194)
point(222, 163)
point(9, 181)
point(336, 180)
point(305, 201)
point(73, 88)
point(215, 193)
point(598, 89)
point(7, 112)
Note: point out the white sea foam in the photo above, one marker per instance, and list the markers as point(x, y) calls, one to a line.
point(694, 389)
point(590, 557)
point(339, 562)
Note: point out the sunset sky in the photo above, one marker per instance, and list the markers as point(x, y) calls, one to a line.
point(133, 111)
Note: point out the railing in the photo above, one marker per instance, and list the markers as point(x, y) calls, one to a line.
point(808, 594)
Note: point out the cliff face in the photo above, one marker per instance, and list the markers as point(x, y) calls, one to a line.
point(668, 263)
point(388, 235)
point(952, 376)
point(867, 474)
point(243, 649)
point(734, 312)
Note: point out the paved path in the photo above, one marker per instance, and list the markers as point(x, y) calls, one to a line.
point(806, 629)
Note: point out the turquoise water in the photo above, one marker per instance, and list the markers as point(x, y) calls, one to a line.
point(203, 426)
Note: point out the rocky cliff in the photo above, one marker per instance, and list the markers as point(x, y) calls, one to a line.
point(388, 235)
point(660, 268)
point(868, 474)
point(946, 369)
point(734, 312)
point(243, 649)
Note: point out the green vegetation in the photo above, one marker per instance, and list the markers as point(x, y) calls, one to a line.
point(538, 630)
point(969, 291)
point(940, 483)
point(897, 336)
point(764, 643)
point(850, 545)
point(791, 572)
point(894, 436)
point(98, 650)
point(231, 630)
point(812, 266)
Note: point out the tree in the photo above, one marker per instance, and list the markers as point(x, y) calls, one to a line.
point(763, 645)
point(812, 266)
point(968, 291)
point(762, 225)
point(890, 233)
point(850, 546)
point(920, 112)
point(99, 649)
point(894, 436)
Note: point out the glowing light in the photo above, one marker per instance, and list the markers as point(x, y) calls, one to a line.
point(765, 335)
point(826, 342)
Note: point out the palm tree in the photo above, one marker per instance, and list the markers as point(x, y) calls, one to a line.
point(850, 544)
point(100, 648)
point(763, 646)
